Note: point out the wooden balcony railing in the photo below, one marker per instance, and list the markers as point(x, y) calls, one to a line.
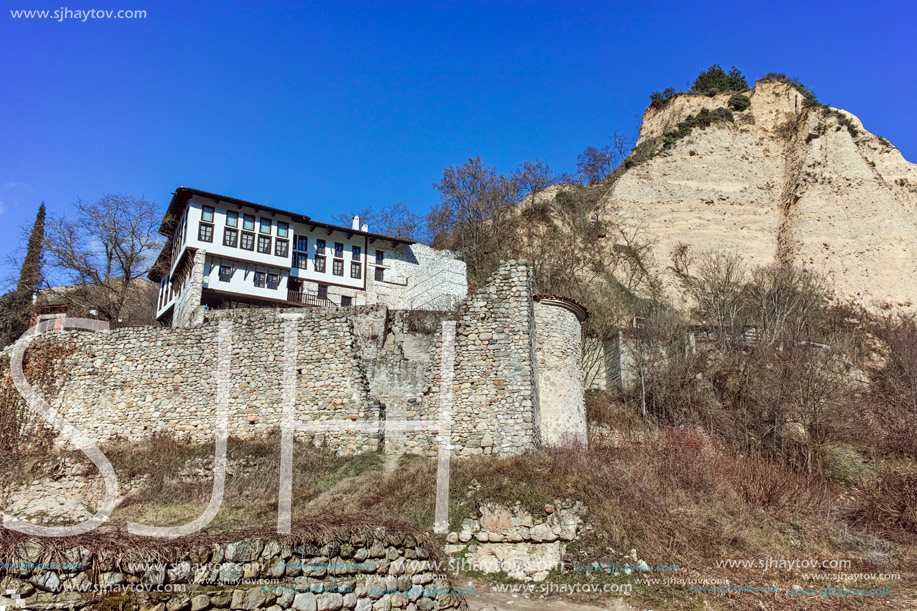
point(309, 299)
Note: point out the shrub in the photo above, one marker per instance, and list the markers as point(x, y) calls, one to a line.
point(845, 122)
point(775, 486)
point(716, 80)
point(891, 504)
point(658, 100)
point(603, 408)
point(644, 151)
point(845, 465)
point(702, 119)
point(739, 102)
point(807, 93)
point(894, 386)
point(21, 430)
point(423, 321)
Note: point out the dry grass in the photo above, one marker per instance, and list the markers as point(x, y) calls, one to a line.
point(890, 505)
point(607, 409)
point(678, 497)
point(174, 479)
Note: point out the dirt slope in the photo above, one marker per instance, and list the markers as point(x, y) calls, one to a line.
point(782, 182)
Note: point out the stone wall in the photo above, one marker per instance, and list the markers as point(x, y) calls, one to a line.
point(367, 365)
point(560, 374)
point(511, 540)
point(188, 303)
point(494, 389)
point(375, 570)
point(134, 382)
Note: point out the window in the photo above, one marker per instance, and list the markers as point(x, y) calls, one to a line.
point(281, 247)
point(320, 264)
point(356, 253)
point(320, 246)
point(301, 243)
point(207, 214)
point(205, 232)
point(282, 229)
point(346, 301)
point(248, 241)
point(300, 260)
point(264, 244)
point(264, 225)
point(380, 257)
point(225, 273)
point(272, 281)
point(355, 269)
point(232, 218)
point(259, 279)
point(339, 250)
point(380, 274)
point(229, 237)
point(323, 291)
point(248, 222)
point(337, 267)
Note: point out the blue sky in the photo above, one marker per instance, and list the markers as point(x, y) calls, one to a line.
point(325, 107)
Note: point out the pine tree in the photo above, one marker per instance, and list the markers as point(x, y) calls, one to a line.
point(716, 80)
point(16, 307)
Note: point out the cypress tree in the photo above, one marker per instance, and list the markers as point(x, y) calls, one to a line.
point(16, 307)
point(30, 275)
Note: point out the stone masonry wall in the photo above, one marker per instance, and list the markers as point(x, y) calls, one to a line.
point(366, 365)
point(513, 541)
point(494, 389)
point(189, 300)
point(367, 571)
point(560, 375)
point(134, 382)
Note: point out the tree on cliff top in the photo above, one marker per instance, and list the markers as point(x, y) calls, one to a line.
point(16, 306)
point(716, 80)
point(106, 252)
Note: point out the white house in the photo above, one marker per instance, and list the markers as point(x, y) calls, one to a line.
point(226, 252)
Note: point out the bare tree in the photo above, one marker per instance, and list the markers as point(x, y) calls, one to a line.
point(105, 252)
point(472, 215)
point(621, 145)
point(395, 220)
point(895, 388)
point(594, 164)
point(533, 177)
point(787, 301)
point(717, 285)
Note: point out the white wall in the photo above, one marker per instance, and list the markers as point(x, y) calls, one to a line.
point(195, 206)
point(438, 282)
point(418, 277)
point(328, 277)
point(242, 280)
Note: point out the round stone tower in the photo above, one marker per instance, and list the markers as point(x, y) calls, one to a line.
point(558, 347)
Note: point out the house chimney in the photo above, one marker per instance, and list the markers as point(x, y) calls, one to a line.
point(356, 222)
point(364, 227)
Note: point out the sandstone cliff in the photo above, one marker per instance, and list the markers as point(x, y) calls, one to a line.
point(784, 181)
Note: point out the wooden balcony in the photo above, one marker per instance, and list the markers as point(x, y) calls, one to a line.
point(309, 299)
